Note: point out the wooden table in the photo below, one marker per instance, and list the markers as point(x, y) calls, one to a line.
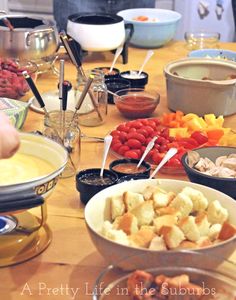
point(71, 261)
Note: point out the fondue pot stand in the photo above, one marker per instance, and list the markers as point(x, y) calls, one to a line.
point(23, 210)
point(24, 232)
point(32, 39)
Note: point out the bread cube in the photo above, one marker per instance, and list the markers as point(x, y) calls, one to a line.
point(167, 220)
point(157, 243)
point(216, 213)
point(204, 241)
point(200, 202)
point(172, 236)
point(149, 190)
point(128, 223)
point(183, 203)
point(202, 223)
point(144, 213)
point(132, 200)
point(214, 231)
point(117, 206)
point(162, 199)
point(142, 238)
point(189, 228)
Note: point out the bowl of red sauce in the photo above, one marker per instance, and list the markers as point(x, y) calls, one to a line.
point(123, 167)
point(134, 103)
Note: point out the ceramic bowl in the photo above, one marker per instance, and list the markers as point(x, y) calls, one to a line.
point(157, 30)
point(201, 86)
point(47, 150)
point(98, 210)
point(219, 283)
point(225, 185)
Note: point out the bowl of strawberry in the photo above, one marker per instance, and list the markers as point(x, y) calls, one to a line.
point(130, 140)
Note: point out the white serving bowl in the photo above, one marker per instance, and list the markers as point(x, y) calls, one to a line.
point(188, 92)
point(98, 210)
point(46, 149)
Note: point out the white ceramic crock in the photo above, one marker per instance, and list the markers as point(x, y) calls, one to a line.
point(186, 91)
point(97, 32)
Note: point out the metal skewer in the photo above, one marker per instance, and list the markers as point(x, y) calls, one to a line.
point(61, 79)
point(74, 57)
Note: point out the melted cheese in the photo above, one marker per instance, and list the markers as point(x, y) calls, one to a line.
point(23, 167)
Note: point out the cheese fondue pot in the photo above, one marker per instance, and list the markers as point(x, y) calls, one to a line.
point(31, 38)
point(98, 32)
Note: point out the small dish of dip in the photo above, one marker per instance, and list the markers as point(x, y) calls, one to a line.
point(89, 182)
point(124, 167)
point(136, 81)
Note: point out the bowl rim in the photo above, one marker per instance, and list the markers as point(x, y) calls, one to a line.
point(214, 51)
point(86, 213)
point(154, 97)
point(177, 15)
point(194, 171)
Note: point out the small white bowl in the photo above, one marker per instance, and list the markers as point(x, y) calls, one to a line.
point(98, 210)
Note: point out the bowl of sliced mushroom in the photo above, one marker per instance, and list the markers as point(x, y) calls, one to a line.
point(212, 166)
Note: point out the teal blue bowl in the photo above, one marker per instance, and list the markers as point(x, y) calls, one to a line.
point(156, 31)
point(214, 53)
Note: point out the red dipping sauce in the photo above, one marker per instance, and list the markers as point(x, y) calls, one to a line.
point(136, 106)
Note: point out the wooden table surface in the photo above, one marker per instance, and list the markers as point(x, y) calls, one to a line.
point(71, 260)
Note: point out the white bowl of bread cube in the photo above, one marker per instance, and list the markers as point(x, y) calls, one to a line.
point(156, 216)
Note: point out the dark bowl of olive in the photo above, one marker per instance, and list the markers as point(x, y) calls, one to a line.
point(89, 182)
point(128, 166)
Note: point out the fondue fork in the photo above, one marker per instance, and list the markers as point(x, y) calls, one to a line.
point(64, 107)
point(61, 79)
point(71, 49)
point(148, 148)
point(35, 91)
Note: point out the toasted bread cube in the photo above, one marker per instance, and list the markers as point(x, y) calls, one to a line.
point(118, 236)
point(216, 213)
point(162, 199)
point(172, 236)
point(142, 238)
point(183, 203)
point(159, 279)
point(204, 241)
point(128, 223)
point(117, 206)
point(187, 245)
point(167, 220)
point(227, 231)
point(200, 202)
point(202, 223)
point(149, 190)
point(132, 200)
point(214, 231)
point(167, 211)
point(144, 213)
point(157, 243)
point(137, 282)
point(189, 228)
point(178, 281)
